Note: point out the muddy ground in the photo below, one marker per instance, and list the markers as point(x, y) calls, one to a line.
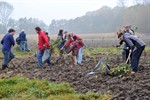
point(132, 87)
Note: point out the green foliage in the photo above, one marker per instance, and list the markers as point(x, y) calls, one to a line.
point(40, 89)
point(90, 51)
point(54, 46)
point(121, 70)
point(25, 89)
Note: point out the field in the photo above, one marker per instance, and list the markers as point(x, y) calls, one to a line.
point(129, 87)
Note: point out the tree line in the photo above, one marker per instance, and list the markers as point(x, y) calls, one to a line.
point(107, 20)
point(103, 20)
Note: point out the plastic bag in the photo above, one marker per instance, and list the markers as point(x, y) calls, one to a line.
point(46, 55)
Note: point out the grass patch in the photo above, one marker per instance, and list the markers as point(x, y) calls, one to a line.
point(25, 89)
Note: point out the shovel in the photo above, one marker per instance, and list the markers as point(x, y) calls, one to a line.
point(128, 57)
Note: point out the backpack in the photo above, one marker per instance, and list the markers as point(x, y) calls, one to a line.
point(18, 40)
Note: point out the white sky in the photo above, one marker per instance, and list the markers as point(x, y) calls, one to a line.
point(47, 10)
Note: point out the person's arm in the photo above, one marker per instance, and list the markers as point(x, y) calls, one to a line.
point(2, 41)
point(129, 42)
point(25, 37)
point(72, 47)
point(19, 35)
point(12, 40)
point(68, 43)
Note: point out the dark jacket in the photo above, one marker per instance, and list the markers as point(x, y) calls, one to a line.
point(7, 42)
point(63, 40)
point(22, 36)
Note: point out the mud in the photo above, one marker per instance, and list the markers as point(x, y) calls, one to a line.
point(132, 87)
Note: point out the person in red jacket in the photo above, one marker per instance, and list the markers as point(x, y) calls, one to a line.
point(43, 44)
point(80, 47)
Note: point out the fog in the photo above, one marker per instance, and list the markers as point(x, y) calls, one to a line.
point(47, 10)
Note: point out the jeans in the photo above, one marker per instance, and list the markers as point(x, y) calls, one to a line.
point(40, 54)
point(135, 58)
point(23, 46)
point(8, 55)
point(79, 57)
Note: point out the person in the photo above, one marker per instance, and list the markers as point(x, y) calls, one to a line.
point(7, 42)
point(125, 49)
point(62, 36)
point(23, 41)
point(136, 47)
point(48, 36)
point(42, 45)
point(129, 29)
point(80, 47)
point(74, 48)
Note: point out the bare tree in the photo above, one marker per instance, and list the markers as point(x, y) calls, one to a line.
point(121, 3)
point(5, 11)
point(137, 2)
point(145, 2)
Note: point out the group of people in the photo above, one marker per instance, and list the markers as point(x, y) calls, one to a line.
point(70, 40)
point(71, 43)
point(133, 47)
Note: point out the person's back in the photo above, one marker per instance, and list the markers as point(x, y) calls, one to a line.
point(62, 37)
point(133, 41)
point(22, 36)
point(7, 42)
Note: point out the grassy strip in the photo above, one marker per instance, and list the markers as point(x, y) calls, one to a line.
point(25, 89)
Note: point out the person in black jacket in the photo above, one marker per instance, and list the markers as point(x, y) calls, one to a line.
point(23, 41)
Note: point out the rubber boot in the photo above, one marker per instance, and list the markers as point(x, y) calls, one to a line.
point(4, 67)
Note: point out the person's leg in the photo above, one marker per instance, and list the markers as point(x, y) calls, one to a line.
point(11, 56)
point(49, 61)
point(75, 60)
point(123, 55)
point(6, 59)
point(21, 46)
point(24, 46)
point(79, 59)
point(40, 54)
point(135, 58)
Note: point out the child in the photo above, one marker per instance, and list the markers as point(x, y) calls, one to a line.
point(74, 48)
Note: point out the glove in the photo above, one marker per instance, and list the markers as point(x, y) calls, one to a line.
point(50, 47)
point(117, 46)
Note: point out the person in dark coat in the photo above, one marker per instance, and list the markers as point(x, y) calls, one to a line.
point(7, 42)
point(62, 36)
point(136, 48)
point(23, 41)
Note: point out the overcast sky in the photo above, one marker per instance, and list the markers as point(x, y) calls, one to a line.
point(47, 10)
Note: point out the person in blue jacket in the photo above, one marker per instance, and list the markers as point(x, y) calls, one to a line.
point(7, 42)
point(23, 41)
